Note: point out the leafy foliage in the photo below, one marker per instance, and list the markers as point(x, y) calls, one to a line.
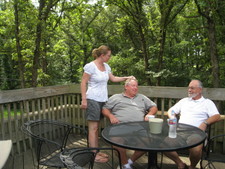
point(132, 29)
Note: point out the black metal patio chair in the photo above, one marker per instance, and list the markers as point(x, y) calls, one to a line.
point(209, 156)
point(54, 140)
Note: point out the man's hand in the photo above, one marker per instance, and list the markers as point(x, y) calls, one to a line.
point(146, 118)
point(203, 126)
point(113, 119)
point(211, 120)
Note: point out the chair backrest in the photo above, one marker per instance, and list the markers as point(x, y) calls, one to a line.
point(52, 137)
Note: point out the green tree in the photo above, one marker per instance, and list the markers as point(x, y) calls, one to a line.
point(207, 9)
point(168, 10)
point(134, 9)
point(44, 11)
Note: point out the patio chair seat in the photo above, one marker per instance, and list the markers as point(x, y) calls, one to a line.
point(53, 161)
point(81, 157)
point(77, 157)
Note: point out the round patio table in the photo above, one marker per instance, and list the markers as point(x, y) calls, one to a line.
point(137, 136)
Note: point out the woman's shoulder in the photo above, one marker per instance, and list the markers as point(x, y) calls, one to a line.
point(89, 67)
point(89, 64)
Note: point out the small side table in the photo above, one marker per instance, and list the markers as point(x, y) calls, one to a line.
point(5, 146)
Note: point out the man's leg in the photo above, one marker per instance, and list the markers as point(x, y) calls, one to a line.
point(123, 155)
point(136, 155)
point(195, 155)
point(175, 157)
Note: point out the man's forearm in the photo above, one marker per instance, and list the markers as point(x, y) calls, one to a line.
point(110, 116)
point(106, 113)
point(209, 121)
point(153, 110)
point(213, 119)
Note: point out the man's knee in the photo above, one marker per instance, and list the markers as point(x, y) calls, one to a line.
point(120, 149)
point(196, 150)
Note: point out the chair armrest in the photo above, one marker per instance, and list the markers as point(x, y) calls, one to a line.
point(217, 136)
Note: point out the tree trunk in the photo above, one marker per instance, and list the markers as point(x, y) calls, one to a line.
point(44, 62)
point(213, 53)
point(37, 44)
point(145, 52)
point(86, 55)
point(71, 66)
point(161, 53)
point(18, 46)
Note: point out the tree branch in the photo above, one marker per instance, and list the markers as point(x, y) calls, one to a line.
point(200, 11)
point(179, 10)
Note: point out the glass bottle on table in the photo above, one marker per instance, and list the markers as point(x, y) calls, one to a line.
point(172, 125)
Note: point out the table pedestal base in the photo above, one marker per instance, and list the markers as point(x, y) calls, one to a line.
point(152, 160)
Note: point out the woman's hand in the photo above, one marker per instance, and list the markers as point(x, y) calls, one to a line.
point(84, 104)
point(131, 77)
point(119, 79)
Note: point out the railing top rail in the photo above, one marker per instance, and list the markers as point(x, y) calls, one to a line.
point(8, 96)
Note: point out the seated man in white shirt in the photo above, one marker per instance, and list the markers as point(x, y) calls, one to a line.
point(197, 111)
point(127, 107)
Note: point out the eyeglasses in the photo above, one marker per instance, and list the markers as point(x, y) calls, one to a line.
point(192, 88)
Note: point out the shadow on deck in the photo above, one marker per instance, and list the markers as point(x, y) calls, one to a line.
point(27, 160)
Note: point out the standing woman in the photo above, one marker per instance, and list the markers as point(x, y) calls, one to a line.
point(96, 75)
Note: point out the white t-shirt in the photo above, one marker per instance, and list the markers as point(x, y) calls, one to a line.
point(194, 112)
point(97, 84)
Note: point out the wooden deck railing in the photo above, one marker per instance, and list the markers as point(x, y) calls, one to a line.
point(63, 103)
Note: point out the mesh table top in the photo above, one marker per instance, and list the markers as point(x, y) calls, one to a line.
point(137, 136)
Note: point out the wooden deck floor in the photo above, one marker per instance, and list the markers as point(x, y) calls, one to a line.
point(27, 161)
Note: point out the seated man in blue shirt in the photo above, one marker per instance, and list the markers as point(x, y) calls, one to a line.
point(129, 106)
point(197, 111)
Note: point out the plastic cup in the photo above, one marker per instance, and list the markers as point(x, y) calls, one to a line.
point(155, 125)
point(150, 116)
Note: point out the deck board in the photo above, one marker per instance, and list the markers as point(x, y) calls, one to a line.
point(26, 161)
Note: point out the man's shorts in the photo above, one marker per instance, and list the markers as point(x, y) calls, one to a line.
point(94, 110)
point(190, 139)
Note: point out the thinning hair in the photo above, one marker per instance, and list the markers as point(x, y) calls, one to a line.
point(200, 85)
point(127, 82)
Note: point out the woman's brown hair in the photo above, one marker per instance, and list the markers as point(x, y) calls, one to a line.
point(99, 51)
